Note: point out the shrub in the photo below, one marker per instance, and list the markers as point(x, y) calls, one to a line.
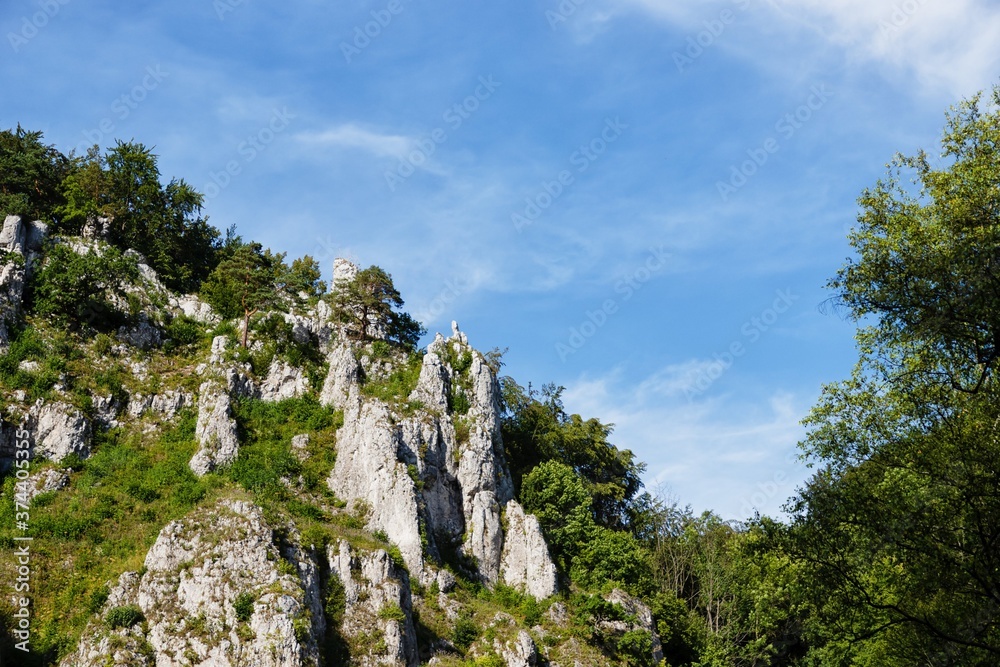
point(243, 606)
point(392, 612)
point(124, 617)
point(465, 631)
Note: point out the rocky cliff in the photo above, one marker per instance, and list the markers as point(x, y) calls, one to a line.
point(396, 508)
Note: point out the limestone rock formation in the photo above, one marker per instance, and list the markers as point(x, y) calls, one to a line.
point(215, 431)
point(283, 381)
point(193, 307)
point(41, 482)
point(58, 430)
point(194, 573)
point(435, 478)
point(343, 376)
point(20, 243)
point(526, 563)
point(643, 620)
point(377, 599)
point(166, 404)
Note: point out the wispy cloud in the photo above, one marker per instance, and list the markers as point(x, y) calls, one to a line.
point(351, 135)
point(727, 455)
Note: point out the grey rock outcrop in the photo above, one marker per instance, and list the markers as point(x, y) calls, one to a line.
point(377, 598)
point(526, 563)
point(343, 376)
point(283, 381)
point(643, 620)
point(435, 481)
point(521, 652)
point(143, 335)
point(215, 431)
point(11, 295)
point(41, 482)
point(20, 245)
point(193, 307)
point(194, 573)
point(58, 430)
point(166, 404)
point(368, 469)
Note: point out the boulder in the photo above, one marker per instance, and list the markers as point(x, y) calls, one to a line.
point(215, 431)
point(377, 599)
point(283, 381)
point(58, 430)
point(526, 563)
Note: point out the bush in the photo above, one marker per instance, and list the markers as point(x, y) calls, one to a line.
point(465, 631)
point(124, 617)
point(243, 606)
point(392, 612)
point(77, 289)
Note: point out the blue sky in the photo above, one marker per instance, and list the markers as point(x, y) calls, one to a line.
point(642, 199)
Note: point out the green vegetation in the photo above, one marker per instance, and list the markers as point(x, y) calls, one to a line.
point(370, 301)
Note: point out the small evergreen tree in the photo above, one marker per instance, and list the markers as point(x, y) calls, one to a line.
point(368, 303)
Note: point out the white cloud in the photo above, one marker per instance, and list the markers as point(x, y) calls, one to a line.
point(717, 453)
point(350, 135)
point(945, 45)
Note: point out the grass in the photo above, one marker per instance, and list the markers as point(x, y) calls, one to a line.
point(102, 525)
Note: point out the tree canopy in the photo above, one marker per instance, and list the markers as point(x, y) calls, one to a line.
point(900, 527)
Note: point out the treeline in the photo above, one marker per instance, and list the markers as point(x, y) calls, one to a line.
point(118, 197)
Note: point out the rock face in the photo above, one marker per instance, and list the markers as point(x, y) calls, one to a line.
point(643, 620)
point(166, 404)
point(376, 598)
point(39, 483)
point(194, 573)
point(215, 431)
point(193, 307)
point(435, 477)
point(526, 562)
point(283, 381)
point(58, 430)
point(20, 243)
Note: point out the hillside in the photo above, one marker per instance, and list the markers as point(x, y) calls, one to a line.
point(210, 456)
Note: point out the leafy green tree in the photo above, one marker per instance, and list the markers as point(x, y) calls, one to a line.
point(80, 289)
point(30, 174)
point(82, 191)
point(536, 430)
point(304, 277)
point(368, 305)
point(245, 283)
point(899, 529)
point(163, 223)
point(554, 493)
